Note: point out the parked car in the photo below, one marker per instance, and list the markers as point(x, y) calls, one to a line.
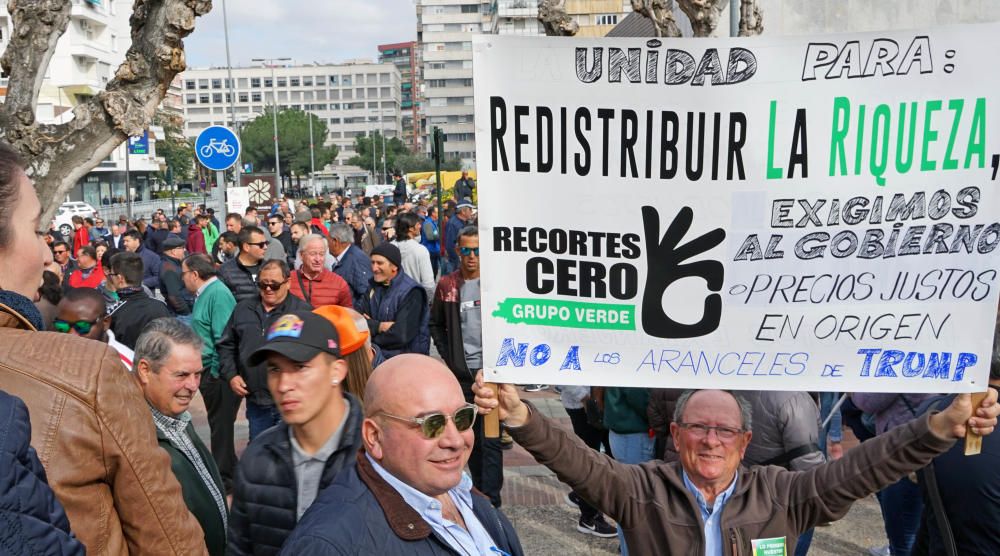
point(64, 216)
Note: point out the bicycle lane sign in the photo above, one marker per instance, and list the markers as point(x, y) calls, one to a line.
point(217, 147)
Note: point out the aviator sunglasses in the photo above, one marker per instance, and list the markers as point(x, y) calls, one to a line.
point(432, 425)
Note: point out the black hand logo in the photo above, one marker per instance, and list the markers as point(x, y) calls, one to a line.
point(663, 261)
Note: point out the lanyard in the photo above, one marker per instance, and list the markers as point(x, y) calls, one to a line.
point(308, 294)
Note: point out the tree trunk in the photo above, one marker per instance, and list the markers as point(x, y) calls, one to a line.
point(557, 23)
point(704, 14)
point(661, 13)
point(751, 18)
point(59, 155)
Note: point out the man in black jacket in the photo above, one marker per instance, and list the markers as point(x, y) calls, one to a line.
point(135, 309)
point(244, 333)
point(456, 326)
point(240, 273)
point(282, 471)
point(178, 299)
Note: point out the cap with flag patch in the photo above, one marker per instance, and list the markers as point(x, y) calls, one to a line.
point(299, 336)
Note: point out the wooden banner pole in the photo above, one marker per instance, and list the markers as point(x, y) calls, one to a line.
point(491, 421)
point(973, 441)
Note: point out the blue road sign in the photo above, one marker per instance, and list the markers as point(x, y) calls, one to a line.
point(217, 147)
point(139, 144)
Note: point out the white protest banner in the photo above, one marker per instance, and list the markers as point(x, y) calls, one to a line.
point(770, 213)
point(237, 199)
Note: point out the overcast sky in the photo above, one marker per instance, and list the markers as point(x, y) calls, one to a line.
point(307, 31)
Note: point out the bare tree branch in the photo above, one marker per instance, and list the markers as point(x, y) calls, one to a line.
point(37, 25)
point(751, 18)
point(557, 23)
point(661, 13)
point(59, 155)
point(704, 14)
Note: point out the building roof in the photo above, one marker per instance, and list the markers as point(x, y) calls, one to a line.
point(636, 24)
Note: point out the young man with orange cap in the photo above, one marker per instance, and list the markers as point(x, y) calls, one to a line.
point(355, 345)
point(319, 434)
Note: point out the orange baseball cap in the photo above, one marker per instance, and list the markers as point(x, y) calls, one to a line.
point(351, 339)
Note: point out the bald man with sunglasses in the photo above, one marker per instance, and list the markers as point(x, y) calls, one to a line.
point(408, 493)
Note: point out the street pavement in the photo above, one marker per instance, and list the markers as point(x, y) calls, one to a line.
point(533, 499)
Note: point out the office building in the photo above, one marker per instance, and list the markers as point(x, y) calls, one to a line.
point(406, 57)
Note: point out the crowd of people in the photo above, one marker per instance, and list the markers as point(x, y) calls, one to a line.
point(320, 315)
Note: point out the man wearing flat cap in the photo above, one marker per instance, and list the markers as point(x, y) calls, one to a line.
point(178, 299)
point(284, 468)
point(395, 306)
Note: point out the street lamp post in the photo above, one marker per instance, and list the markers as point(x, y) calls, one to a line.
point(381, 130)
point(312, 155)
point(274, 92)
point(232, 95)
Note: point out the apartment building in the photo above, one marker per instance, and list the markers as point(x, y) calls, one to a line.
point(355, 98)
point(406, 57)
point(444, 31)
point(85, 59)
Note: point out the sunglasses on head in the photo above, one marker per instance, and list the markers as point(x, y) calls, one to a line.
point(466, 251)
point(81, 326)
point(433, 424)
point(264, 286)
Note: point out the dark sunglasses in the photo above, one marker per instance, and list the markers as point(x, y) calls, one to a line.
point(62, 252)
point(263, 286)
point(261, 244)
point(433, 425)
point(466, 251)
point(81, 326)
point(275, 223)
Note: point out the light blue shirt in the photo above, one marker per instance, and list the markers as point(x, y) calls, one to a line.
point(711, 517)
point(473, 541)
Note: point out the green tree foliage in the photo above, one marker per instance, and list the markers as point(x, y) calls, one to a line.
point(177, 151)
point(257, 138)
point(398, 156)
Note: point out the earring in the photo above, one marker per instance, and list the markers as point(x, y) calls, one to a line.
point(334, 382)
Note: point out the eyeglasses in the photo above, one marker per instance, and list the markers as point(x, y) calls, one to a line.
point(264, 286)
point(700, 431)
point(60, 252)
point(433, 425)
point(81, 326)
point(386, 229)
point(261, 244)
point(274, 223)
point(466, 251)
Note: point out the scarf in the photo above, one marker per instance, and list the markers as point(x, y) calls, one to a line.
point(24, 307)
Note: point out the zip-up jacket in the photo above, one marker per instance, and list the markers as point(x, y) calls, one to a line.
point(446, 329)
point(660, 516)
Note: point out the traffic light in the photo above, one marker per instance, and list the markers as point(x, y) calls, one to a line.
point(437, 144)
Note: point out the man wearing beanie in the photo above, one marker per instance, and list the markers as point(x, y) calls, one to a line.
point(284, 468)
point(395, 306)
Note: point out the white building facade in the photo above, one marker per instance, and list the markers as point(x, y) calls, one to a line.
point(355, 98)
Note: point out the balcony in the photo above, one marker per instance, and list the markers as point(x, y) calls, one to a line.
point(87, 50)
point(521, 9)
point(93, 13)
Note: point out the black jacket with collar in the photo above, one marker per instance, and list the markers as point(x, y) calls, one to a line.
point(243, 334)
point(265, 490)
point(131, 317)
point(360, 513)
point(241, 280)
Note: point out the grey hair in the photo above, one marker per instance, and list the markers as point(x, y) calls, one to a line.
point(342, 232)
point(160, 337)
point(746, 410)
point(307, 239)
point(468, 231)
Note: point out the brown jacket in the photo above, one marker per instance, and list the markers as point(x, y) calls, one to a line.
point(93, 433)
point(660, 516)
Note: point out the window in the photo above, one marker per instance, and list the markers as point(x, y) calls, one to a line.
point(295, 82)
point(227, 83)
point(435, 83)
point(255, 82)
point(191, 99)
point(320, 95)
point(384, 78)
point(384, 92)
point(306, 95)
point(268, 83)
point(360, 93)
point(241, 83)
point(335, 95)
point(470, 8)
point(359, 79)
point(296, 107)
point(334, 79)
point(217, 98)
point(335, 106)
point(203, 98)
point(346, 81)
point(255, 96)
point(229, 98)
point(203, 83)
point(216, 83)
point(282, 82)
point(440, 101)
point(372, 92)
point(607, 19)
point(244, 97)
point(296, 95)
point(348, 93)
point(189, 85)
point(307, 81)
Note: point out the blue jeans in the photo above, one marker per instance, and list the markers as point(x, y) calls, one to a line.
point(902, 505)
point(261, 418)
point(835, 428)
point(636, 447)
point(805, 539)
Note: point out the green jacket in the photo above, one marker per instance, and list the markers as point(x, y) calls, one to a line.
point(211, 312)
point(197, 496)
point(625, 410)
point(211, 234)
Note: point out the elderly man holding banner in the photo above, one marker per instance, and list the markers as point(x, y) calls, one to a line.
point(707, 503)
